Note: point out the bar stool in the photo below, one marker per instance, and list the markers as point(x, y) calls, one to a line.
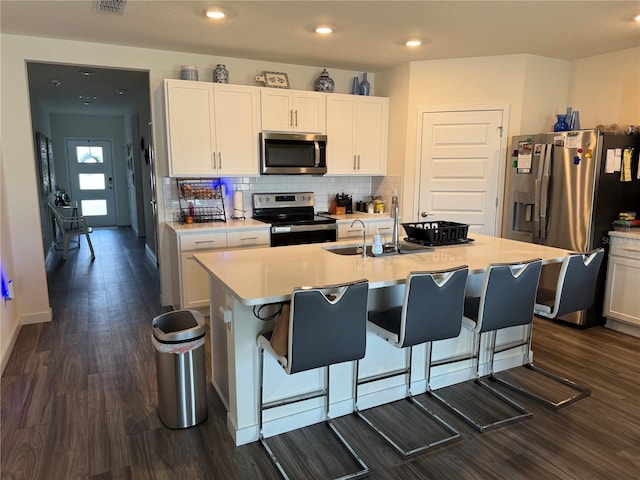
point(327, 325)
point(506, 300)
point(431, 310)
point(575, 291)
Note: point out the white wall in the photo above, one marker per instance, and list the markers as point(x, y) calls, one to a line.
point(32, 302)
point(606, 88)
point(467, 82)
point(9, 327)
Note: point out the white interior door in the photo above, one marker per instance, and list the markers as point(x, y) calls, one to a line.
point(461, 169)
point(90, 166)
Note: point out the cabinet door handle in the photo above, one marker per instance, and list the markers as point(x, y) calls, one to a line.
point(354, 162)
point(296, 124)
point(243, 239)
point(220, 160)
point(205, 241)
point(213, 161)
point(358, 161)
point(291, 117)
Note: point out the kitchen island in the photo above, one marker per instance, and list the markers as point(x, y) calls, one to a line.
point(243, 281)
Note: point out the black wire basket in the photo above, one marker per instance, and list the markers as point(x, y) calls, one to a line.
point(436, 232)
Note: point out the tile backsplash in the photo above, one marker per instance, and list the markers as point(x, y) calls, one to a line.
point(325, 188)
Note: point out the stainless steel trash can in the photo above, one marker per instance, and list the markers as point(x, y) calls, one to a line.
point(178, 338)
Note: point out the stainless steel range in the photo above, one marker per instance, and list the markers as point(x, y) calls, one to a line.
point(292, 218)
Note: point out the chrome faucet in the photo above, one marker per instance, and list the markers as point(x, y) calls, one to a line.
point(395, 213)
point(364, 236)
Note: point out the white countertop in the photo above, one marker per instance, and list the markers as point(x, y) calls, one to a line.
point(634, 233)
point(266, 275)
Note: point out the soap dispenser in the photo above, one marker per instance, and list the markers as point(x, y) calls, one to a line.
point(377, 249)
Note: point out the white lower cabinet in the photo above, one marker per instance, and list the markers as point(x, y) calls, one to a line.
point(192, 288)
point(621, 301)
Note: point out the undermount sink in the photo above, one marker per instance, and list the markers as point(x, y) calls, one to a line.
point(388, 250)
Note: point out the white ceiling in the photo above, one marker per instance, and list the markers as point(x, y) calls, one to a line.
point(369, 35)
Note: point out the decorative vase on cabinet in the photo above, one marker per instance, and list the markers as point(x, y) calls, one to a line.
point(561, 125)
point(221, 74)
point(356, 86)
point(364, 85)
point(324, 83)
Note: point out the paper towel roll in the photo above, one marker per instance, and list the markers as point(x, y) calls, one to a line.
point(238, 204)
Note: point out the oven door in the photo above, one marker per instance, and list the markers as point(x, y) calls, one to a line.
point(282, 235)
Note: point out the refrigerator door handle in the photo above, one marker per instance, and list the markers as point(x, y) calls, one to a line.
point(544, 192)
point(536, 194)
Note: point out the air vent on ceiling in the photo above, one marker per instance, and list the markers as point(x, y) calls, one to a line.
point(110, 6)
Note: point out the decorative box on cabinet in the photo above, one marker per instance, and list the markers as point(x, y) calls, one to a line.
point(292, 111)
point(621, 301)
point(358, 129)
point(212, 129)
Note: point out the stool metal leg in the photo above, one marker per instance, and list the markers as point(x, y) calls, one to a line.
point(581, 390)
point(364, 469)
point(523, 414)
point(453, 434)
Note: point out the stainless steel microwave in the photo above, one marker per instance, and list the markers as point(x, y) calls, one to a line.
point(293, 153)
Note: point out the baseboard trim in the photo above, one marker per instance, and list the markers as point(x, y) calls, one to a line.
point(40, 317)
point(7, 353)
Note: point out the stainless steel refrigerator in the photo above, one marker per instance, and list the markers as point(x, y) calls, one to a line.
point(564, 190)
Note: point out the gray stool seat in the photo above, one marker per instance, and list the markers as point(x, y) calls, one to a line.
point(506, 300)
point(575, 291)
point(327, 325)
point(431, 311)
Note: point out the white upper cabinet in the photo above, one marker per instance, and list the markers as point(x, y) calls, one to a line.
point(357, 135)
point(212, 129)
point(236, 124)
point(190, 127)
point(292, 111)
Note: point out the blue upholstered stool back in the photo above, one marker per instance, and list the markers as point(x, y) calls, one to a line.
point(432, 309)
point(328, 325)
point(577, 281)
point(508, 296)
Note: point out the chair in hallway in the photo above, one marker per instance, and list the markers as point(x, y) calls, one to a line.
point(71, 226)
point(506, 300)
point(575, 291)
point(327, 325)
point(431, 311)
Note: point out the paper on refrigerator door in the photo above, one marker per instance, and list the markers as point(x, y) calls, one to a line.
point(525, 155)
point(613, 160)
point(625, 172)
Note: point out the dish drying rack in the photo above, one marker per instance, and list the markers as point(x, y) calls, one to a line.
point(201, 200)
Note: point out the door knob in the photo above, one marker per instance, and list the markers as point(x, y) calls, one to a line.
point(424, 214)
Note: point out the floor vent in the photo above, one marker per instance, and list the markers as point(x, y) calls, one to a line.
point(110, 6)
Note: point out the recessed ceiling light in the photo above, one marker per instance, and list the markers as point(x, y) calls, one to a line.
point(324, 30)
point(87, 73)
point(413, 43)
point(637, 18)
point(215, 14)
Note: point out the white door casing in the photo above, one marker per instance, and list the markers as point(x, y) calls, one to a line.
point(461, 166)
point(90, 166)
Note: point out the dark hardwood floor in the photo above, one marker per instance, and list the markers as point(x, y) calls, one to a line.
point(79, 399)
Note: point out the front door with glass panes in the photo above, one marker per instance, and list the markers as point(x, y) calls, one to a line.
point(91, 176)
